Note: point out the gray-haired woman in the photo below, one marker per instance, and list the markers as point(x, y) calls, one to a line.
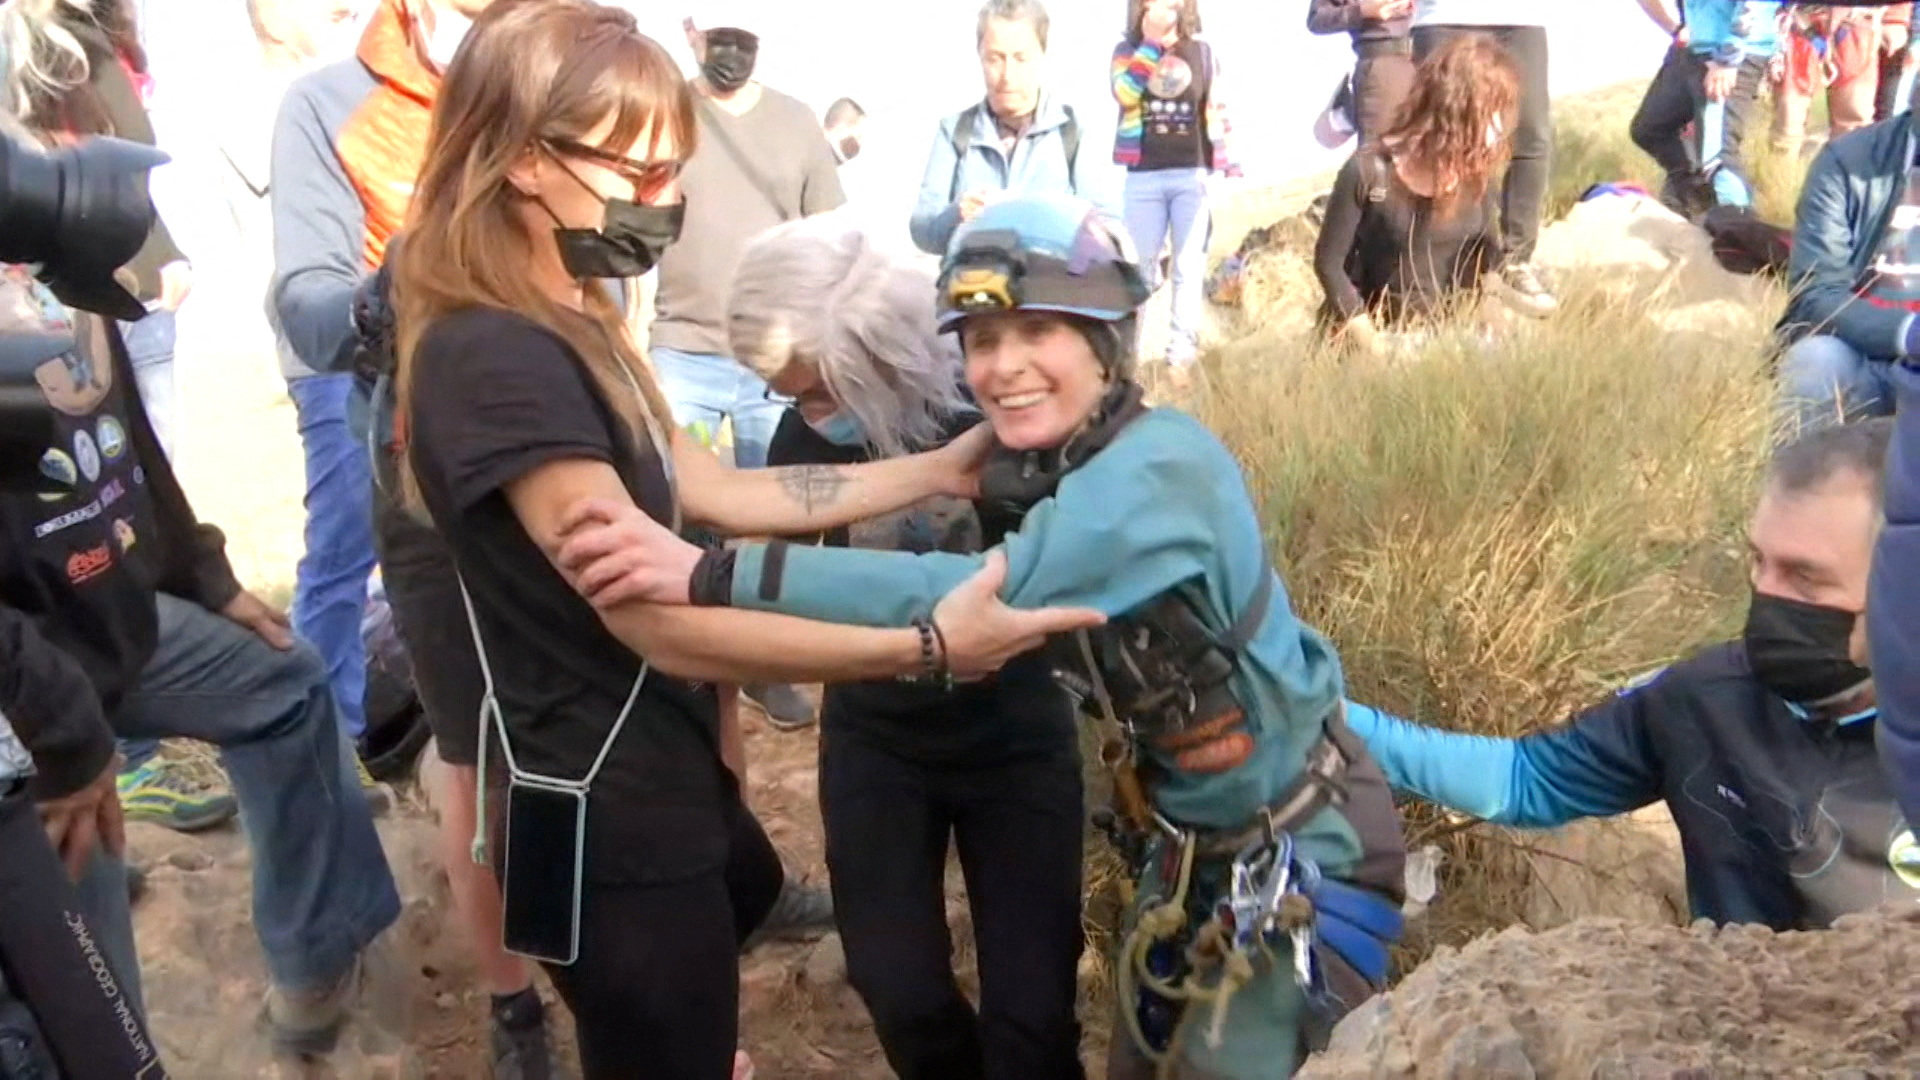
point(848, 333)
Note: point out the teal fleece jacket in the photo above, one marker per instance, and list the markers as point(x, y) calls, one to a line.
point(1164, 505)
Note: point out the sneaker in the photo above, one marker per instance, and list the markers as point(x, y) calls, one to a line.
point(519, 1038)
point(800, 913)
point(785, 707)
point(161, 792)
point(1526, 292)
point(307, 1023)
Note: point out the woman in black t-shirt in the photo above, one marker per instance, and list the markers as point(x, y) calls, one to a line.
point(907, 772)
point(1172, 135)
point(1412, 223)
point(556, 145)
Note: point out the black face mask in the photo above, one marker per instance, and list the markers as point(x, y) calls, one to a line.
point(626, 245)
point(1799, 650)
point(730, 57)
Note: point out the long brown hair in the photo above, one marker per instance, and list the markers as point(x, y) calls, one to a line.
point(530, 71)
point(1188, 24)
point(1459, 93)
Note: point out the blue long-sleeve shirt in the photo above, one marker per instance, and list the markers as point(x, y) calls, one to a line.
point(1784, 819)
point(1729, 31)
point(1163, 505)
point(319, 221)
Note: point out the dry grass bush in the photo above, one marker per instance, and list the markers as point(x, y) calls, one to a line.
point(1495, 534)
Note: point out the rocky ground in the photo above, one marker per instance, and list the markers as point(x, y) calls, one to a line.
point(424, 1016)
point(1614, 1000)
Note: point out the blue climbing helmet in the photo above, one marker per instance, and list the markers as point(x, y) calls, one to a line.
point(1044, 253)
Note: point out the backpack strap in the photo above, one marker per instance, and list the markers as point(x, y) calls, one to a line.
point(1247, 626)
point(1070, 136)
point(962, 142)
point(1373, 174)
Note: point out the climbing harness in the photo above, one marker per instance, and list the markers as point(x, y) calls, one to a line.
point(1272, 898)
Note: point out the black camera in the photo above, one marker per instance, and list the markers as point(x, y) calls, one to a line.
point(78, 214)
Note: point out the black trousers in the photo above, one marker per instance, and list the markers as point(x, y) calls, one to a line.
point(1524, 191)
point(656, 991)
point(1381, 80)
point(1017, 825)
point(1676, 98)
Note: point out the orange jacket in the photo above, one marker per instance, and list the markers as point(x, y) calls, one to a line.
point(383, 144)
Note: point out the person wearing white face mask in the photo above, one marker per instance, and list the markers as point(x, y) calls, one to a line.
point(346, 149)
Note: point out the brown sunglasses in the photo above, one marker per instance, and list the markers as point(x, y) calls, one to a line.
point(648, 178)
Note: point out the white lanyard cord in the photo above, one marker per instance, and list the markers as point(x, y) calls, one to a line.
point(490, 710)
point(490, 702)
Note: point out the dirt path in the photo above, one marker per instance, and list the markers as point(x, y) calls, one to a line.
point(204, 977)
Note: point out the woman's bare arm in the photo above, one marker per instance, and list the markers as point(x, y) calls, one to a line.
point(727, 645)
point(710, 644)
point(799, 499)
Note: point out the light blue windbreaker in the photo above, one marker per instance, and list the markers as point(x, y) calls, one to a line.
point(1038, 167)
point(1164, 504)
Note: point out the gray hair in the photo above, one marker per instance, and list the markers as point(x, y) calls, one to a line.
point(42, 56)
point(1031, 12)
point(817, 292)
point(1809, 462)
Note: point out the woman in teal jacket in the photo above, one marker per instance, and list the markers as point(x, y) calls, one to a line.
point(1237, 783)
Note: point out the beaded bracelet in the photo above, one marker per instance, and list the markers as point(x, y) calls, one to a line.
point(933, 654)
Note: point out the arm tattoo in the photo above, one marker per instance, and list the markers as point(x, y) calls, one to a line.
point(813, 485)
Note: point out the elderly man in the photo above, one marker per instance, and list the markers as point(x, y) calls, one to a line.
point(1763, 748)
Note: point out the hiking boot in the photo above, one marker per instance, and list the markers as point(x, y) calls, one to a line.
point(800, 913)
point(307, 1023)
point(1688, 194)
point(785, 707)
point(1525, 291)
point(519, 1038)
point(161, 792)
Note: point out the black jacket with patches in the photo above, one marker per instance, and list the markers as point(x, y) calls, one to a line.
point(82, 560)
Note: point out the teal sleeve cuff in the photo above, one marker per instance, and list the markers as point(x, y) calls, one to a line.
point(845, 585)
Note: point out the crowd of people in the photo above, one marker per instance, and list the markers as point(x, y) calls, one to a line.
point(985, 536)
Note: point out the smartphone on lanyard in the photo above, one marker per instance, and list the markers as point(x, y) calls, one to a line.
point(540, 889)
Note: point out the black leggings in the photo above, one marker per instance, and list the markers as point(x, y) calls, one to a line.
point(1677, 96)
point(656, 991)
point(1524, 191)
point(1017, 825)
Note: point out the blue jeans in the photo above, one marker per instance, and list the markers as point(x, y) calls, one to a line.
point(1173, 202)
point(1825, 381)
point(150, 349)
point(321, 887)
point(704, 387)
point(330, 586)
